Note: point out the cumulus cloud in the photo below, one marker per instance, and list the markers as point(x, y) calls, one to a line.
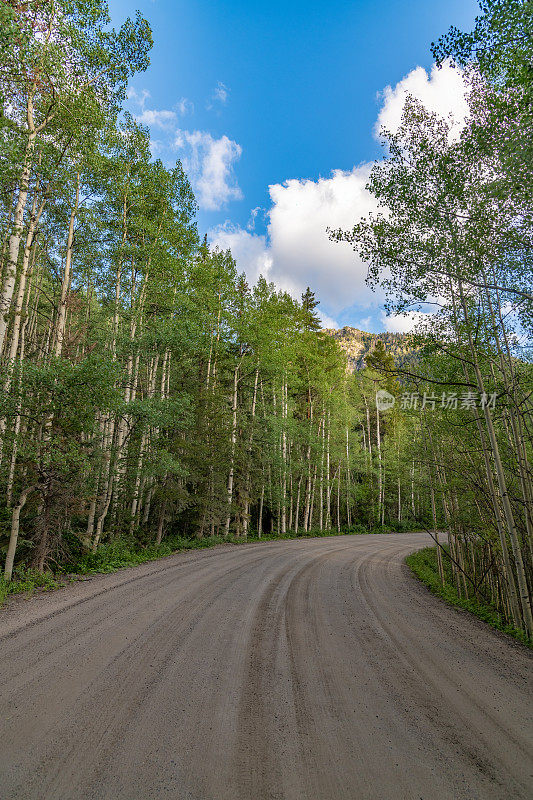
point(402, 323)
point(301, 250)
point(297, 251)
point(443, 92)
point(158, 119)
point(209, 163)
point(327, 321)
point(249, 250)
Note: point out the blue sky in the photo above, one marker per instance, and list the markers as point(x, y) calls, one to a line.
point(273, 109)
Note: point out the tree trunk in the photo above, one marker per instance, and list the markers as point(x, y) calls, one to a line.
point(232, 449)
point(13, 537)
point(8, 288)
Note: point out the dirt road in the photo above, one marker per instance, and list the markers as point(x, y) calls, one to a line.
point(298, 670)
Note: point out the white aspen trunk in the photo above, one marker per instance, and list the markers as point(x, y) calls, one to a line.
point(138, 489)
point(130, 392)
point(67, 274)
point(148, 503)
point(312, 505)
point(261, 502)
point(399, 480)
point(101, 517)
point(140, 502)
point(328, 486)
point(90, 520)
point(297, 512)
point(348, 482)
point(94, 502)
point(232, 449)
point(413, 510)
point(6, 295)
point(307, 490)
point(25, 273)
point(137, 485)
point(383, 499)
point(18, 335)
point(161, 523)
point(399, 500)
point(31, 313)
point(14, 533)
point(18, 427)
point(118, 273)
point(284, 459)
point(107, 480)
point(368, 427)
point(7, 229)
point(270, 500)
point(291, 503)
point(339, 501)
point(380, 468)
point(247, 483)
point(369, 440)
point(434, 513)
point(321, 495)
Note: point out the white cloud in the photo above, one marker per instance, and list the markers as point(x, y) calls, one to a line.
point(209, 163)
point(158, 119)
point(139, 98)
point(302, 252)
point(157, 146)
point(250, 225)
point(219, 97)
point(327, 322)
point(249, 250)
point(221, 93)
point(185, 106)
point(403, 323)
point(443, 92)
point(153, 117)
point(297, 251)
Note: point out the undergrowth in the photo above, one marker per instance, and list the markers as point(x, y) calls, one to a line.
point(29, 580)
point(424, 565)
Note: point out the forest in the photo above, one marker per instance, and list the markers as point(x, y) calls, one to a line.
point(149, 394)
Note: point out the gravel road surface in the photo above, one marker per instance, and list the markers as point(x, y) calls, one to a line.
point(311, 669)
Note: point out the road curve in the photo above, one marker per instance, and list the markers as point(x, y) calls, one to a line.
point(311, 669)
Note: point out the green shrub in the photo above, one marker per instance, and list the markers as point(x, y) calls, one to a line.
point(424, 565)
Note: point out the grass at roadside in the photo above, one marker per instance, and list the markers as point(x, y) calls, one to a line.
point(29, 580)
point(423, 564)
point(120, 554)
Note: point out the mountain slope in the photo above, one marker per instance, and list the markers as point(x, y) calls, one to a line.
point(358, 344)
